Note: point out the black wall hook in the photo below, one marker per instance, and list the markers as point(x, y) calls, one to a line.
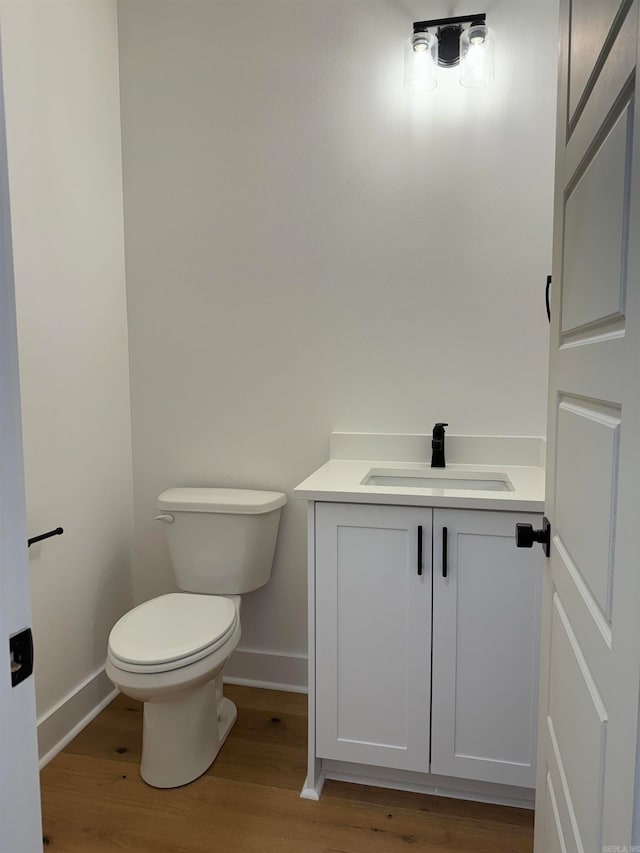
point(57, 532)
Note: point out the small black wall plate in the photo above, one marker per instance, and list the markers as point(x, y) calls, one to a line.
point(21, 647)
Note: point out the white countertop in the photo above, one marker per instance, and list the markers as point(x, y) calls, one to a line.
point(341, 480)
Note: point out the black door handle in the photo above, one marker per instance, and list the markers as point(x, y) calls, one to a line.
point(526, 536)
point(546, 298)
point(419, 549)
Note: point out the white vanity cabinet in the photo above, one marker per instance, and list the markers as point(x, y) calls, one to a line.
point(425, 664)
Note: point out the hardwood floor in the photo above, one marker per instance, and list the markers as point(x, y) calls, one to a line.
point(94, 800)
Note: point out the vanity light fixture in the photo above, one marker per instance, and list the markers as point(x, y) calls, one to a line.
point(471, 47)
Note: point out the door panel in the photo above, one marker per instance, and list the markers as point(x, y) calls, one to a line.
point(565, 816)
point(586, 494)
point(590, 661)
point(554, 838)
point(596, 217)
point(615, 81)
point(592, 20)
point(373, 635)
point(368, 562)
point(485, 638)
point(578, 719)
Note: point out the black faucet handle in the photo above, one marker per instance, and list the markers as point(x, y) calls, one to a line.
point(437, 445)
point(438, 433)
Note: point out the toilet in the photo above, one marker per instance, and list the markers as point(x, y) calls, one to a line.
point(171, 651)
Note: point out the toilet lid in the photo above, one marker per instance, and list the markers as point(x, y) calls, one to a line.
point(172, 627)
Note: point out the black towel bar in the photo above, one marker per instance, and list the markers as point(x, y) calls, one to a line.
point(57, 532)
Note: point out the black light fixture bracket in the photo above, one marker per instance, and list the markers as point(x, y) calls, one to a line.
point(448, 35)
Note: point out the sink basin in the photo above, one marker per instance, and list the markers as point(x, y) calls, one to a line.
point(422, 478)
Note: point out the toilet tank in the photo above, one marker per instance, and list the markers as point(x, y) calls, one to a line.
point(221, 541)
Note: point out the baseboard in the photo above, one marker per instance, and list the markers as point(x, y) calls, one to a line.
point(68, 717)
point(271, 670)
point(427, 783)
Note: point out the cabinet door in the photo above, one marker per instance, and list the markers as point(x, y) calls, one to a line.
point(485, 648)
point(373, 635)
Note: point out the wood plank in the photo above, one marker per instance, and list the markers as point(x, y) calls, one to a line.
point(267, 700)
point(94, 800)
point(114, 733)
point(263, 764)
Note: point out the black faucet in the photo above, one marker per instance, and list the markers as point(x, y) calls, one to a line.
point(437, 446)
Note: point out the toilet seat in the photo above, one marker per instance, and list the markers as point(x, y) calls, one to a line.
point(171, 631)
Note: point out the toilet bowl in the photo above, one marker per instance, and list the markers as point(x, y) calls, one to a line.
point(180, 682)
point(171, 651)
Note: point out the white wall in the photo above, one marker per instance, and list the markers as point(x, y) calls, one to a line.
point(62, 99)
point(309, 250)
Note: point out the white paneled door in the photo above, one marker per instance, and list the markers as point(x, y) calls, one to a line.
point(590, 653)
point(20, 826)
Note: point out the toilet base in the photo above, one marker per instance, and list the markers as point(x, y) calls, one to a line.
point(182, 737)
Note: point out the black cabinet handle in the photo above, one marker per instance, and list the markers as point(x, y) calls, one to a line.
point(419, 549)
point(445, 567)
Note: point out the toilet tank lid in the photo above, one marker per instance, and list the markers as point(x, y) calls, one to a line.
point(238, 501)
